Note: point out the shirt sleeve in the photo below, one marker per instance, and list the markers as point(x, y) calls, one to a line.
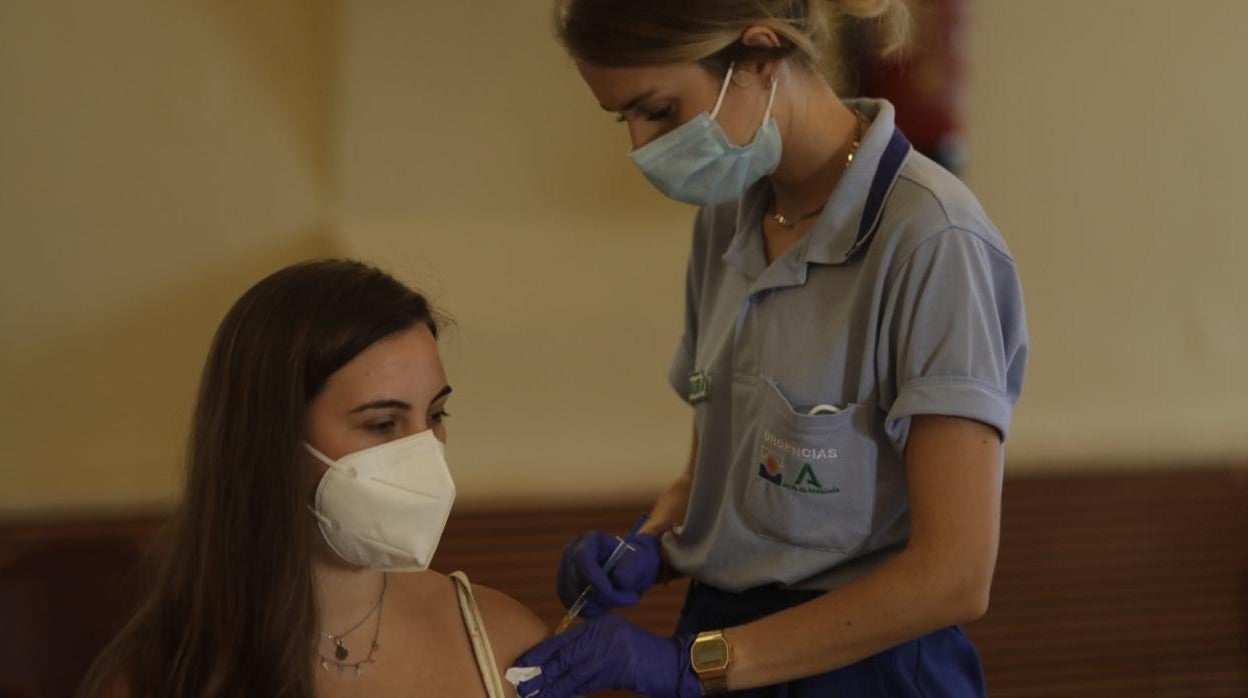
point(954, 335)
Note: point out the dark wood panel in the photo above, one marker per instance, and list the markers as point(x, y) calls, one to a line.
point(1110, 584)
point(1120, 584)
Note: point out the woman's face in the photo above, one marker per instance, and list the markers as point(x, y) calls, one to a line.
point(654, 99)
point(394, 388)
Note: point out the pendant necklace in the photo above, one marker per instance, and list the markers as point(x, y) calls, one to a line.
point(342, 654)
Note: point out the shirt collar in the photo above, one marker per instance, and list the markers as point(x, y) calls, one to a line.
point(851, 215)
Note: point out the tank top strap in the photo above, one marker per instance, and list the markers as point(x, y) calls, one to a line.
point(475, 626)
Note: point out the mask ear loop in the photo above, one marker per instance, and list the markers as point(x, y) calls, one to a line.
point(321, 517)
point(723, 91)
point(321, 456)
point(329, 462)
point(771, 99)
point(312, 510)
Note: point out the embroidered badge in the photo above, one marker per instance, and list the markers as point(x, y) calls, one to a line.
point(699, 387)
point(776, 451)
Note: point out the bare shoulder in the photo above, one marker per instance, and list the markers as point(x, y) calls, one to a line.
point(429, 596)
point(512, 627)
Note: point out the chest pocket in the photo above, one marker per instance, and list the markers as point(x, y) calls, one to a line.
point(812, 482)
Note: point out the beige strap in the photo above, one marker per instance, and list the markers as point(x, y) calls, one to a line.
point(476, 634)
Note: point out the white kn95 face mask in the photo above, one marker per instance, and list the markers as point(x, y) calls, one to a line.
point(384, 507)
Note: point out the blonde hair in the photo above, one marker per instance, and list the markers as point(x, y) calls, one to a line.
point(646, 32)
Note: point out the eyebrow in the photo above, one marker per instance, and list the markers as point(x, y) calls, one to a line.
point(384, 404)
point(631, 103)
point(381, 404)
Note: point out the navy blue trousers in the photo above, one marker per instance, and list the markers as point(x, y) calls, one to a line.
point(942, 664)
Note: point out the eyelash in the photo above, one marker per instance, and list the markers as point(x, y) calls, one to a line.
point(383, 427)
point(388, 426)
point(660, 115)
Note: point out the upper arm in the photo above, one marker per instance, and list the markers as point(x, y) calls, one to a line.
point(512, 628)
point(954, 474)
point(954, 359)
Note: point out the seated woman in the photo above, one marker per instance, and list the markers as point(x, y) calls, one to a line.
point(316, 489)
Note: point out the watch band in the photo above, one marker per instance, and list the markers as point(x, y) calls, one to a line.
point(714, 686)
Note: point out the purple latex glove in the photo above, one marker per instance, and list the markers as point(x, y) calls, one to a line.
point(581, 566)
point(611, 653)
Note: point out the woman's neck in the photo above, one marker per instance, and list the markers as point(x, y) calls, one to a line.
point(344, 594)
point(818, 134)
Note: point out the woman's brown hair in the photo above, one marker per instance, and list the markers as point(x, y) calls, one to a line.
point(646, 32)
point(233, 611)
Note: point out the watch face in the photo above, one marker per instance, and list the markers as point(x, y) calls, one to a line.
point(710, 654)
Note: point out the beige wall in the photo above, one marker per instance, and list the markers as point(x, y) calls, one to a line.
point(155, 158)
point(1108, 142)
point(490, 177)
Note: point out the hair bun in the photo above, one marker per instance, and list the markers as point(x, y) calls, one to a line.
point(891, 17)
point(864, 9)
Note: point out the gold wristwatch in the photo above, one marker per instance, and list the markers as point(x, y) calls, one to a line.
point(710, 656)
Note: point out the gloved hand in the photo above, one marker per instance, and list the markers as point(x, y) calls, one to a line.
point(581, 566)
point(610, 653)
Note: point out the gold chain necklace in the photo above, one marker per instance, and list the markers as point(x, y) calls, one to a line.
point(860, 127)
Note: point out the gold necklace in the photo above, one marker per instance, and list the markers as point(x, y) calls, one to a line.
point(860, 127)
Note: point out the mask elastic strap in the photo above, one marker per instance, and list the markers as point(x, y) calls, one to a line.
point(319, 516)
point(723, 91)
point(771, 99)
point(319, 456)
point(326, 460)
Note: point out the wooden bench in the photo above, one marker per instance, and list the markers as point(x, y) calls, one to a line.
point(1112, 584)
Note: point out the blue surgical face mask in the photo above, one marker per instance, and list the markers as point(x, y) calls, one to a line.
point(696, 163)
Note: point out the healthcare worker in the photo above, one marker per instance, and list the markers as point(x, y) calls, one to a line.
point(854, 344)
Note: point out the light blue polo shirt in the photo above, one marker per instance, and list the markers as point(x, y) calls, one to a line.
point(902, 300)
